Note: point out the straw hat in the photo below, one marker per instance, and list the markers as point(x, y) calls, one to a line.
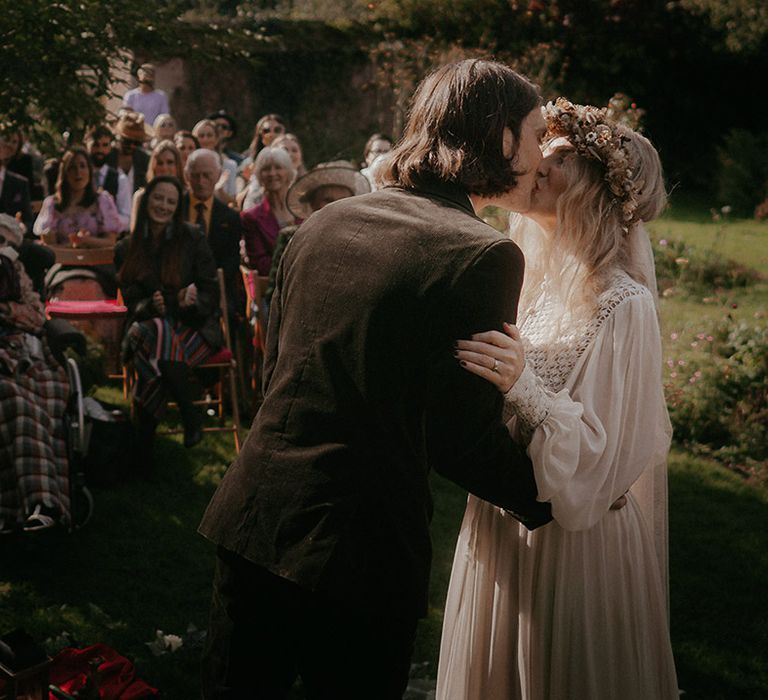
point(338, 172)
point(130, 125)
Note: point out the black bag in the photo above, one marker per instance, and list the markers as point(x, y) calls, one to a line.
point(111, 444)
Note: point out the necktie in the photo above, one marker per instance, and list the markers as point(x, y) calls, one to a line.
point(200, 220)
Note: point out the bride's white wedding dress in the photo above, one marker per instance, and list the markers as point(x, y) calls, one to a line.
point(577, 609)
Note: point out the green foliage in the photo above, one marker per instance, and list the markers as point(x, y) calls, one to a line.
point(743, 176)
point(685, 269)
point(56, 57)
point(718, 395)
point(744, 22)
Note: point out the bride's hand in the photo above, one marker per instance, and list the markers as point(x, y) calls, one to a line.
point(496, 357)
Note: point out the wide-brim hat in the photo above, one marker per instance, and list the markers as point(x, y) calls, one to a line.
point(337, 172)
point(131, 125)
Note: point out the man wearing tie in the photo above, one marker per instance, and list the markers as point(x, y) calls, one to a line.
point(220, 223)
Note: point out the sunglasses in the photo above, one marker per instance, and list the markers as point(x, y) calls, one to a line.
point(276, 129)
point(130, 142)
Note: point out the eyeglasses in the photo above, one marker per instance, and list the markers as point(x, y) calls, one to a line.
point(130, 142)
point(277, 129)
point(167, 125)
point(222, 126)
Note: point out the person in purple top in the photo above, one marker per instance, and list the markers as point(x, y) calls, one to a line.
point(145, 98)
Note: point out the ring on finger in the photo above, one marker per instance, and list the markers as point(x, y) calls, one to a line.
point(495, 367)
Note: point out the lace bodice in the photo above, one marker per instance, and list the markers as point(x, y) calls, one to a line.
point(551, 360)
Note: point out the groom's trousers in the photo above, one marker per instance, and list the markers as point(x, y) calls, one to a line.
point(266, 631)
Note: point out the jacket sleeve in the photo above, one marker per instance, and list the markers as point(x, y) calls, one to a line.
point(466, 439)
point(204, 276)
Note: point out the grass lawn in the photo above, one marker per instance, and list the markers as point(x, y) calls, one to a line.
point(139, 566)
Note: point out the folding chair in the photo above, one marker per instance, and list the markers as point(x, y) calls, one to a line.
point(226, 366)
point(256, 315)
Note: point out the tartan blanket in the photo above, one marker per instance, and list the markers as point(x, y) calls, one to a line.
point(33, 454)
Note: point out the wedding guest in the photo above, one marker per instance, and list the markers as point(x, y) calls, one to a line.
point(145, 98)
point(220, 224)
point(167, 276)
point(261, 224)
point(165, 160)
point(227, 128)
point(98, 142)
point(208, 136)
point(163, 128)
point(76, 215)
point(186, 142)
point(14, 188)
point(324, 184)
point(129, 156)
point(34, 483)
point(267, 129)
point(377, 146)
point(254, 192)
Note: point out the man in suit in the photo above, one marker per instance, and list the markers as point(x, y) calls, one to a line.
point(220, 223)
point(322, 522)
point(14, 200)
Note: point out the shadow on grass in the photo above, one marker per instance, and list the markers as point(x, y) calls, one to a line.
point(137, 566)
point(718, 571)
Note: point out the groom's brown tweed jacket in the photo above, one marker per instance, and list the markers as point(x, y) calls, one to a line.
point(364, 396)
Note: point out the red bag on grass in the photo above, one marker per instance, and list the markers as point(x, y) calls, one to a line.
point(71, 669)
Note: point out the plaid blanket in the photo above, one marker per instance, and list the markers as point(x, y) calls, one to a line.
point(33, 454)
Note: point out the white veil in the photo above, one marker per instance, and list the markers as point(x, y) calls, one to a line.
point(650, 489)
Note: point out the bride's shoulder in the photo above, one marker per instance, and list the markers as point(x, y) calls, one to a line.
point(622, 290)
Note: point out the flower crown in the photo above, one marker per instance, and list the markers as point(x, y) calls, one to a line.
point(593, 136)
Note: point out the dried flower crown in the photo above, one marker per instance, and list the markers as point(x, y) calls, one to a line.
point(590, 133)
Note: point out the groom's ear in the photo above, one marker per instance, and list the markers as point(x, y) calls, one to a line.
point(508, 143)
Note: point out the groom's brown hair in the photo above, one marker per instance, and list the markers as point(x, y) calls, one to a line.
point(455, 128)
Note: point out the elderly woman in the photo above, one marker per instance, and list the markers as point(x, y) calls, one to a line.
point(208, 136)
point(76, 214)
point(262, 223)
point(253, 193)
point(168, 279)
point(34, 485)
point(165, 160)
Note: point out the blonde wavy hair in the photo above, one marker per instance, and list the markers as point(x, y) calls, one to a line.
point(590, 239)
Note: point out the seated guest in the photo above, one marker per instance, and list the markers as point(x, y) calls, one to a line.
point(98, 141)
point(267, 129)
point(34, 486)
point(261, 224)
point(375, 148)
point(254, 192)
point(163, 128)
point(144, 98)
point(186, 142)
point(227, 128)
point(326, 183)
point(165, 160)
point(129, 156)
point(208, 136)
point(220, 224)
point(14, 188)
point(76, 214)
point(167, 275)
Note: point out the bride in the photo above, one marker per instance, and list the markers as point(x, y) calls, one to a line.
point(577, 609)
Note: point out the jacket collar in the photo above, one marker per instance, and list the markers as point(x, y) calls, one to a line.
point(449, 191)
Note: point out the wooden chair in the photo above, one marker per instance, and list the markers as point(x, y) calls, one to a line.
point(224, 363)
point(256, 315)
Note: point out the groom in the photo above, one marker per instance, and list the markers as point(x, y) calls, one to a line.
point(322, 522)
